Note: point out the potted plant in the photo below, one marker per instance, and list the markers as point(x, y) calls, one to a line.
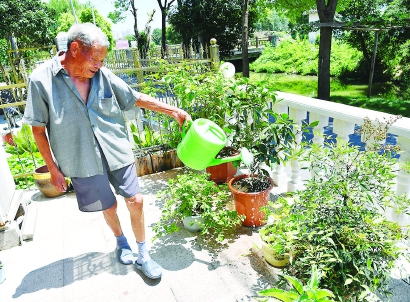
point(309, 292)
point(341, 226)
point(192, 194)
point(223, 173)
point(42, 180)
point(253, 125)
point(8, 138)
point(24, 157)
point(151, 151)
point(277, 236)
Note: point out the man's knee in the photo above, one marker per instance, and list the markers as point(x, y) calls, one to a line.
point(135, 203)
point(111, 211)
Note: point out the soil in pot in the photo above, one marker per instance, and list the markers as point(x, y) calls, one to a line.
point(252, 184)
point(224, 172)
point(250, 203)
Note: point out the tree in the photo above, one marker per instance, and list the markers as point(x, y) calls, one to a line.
point(156, 36)
point(245, 35)
point(200, 20)
point(164, 13)
point(326, 10)
point(64, 6)
point(182, 22)
point(121, 8)
point(144, 40)
point(380, 15)
point(27, 23)
point(173, 37)
point(31, 22)
point(65, 21)
point(87, 16)
point(272, 20)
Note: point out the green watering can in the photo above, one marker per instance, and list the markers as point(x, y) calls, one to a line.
point(201, 144)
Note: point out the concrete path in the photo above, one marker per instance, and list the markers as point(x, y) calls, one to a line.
point(72, 258)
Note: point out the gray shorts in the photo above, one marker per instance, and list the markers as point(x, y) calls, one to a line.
point(94, 193)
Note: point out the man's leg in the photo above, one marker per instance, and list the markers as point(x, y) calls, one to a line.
point(124, 252)
point(135, 207)
point(144, 261)
point(112, 220)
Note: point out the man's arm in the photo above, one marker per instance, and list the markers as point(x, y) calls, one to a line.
point(57, 178)
point(148, 102)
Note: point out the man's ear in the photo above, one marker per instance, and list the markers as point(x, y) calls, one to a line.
point(74, 48)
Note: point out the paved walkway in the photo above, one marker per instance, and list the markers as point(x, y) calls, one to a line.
point(72, 258)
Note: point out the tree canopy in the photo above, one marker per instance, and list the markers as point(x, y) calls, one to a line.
point(31, 22)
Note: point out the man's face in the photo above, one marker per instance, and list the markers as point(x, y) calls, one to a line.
point(89, 61)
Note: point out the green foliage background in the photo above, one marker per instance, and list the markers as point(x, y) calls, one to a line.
point(301, 57)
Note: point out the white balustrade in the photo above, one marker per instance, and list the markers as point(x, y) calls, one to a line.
point(345, 118)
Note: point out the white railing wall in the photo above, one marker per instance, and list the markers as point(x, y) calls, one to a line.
point(345, 118)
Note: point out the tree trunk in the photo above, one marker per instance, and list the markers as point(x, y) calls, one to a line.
point(245, 33)
point(163, 34)
point(323, 74)
point(134, 12)
point(164, 13)
point(326, 14)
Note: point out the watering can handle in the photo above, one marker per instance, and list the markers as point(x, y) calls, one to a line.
point(188, 123)
point(217, 133)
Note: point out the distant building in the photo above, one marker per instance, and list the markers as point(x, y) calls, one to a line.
point(122, 44)
point(313, 17)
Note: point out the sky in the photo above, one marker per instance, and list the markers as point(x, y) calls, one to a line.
point(144, 7)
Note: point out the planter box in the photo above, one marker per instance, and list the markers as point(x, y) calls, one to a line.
point(156, 159)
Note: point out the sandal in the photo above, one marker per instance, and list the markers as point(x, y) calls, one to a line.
point(150, 269)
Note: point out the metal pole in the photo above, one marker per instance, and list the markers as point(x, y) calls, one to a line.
point(92, 8)
point(72, 8)
point(376, 38)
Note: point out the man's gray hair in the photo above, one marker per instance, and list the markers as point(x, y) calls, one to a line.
point(87, 34)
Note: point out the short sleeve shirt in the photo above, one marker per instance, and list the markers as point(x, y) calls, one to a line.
point(75, 129)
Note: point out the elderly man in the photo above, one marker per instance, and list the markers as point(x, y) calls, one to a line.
point(75, 109)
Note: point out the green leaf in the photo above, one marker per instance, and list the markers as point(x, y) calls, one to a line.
point(313, 124)
point(348, 281)
point(277, 293)
point(296, 283)
point(322, 293)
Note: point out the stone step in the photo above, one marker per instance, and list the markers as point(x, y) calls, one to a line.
point(20, 221)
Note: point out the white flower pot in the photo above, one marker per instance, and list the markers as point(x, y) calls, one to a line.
point(193, 223)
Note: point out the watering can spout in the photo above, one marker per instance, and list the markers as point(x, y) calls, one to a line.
point(245, 156)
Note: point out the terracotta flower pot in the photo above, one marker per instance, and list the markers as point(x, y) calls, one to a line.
point(221, 173)
point(42, 181)
point(8, 138)
point(250, 204)
point(224, 172)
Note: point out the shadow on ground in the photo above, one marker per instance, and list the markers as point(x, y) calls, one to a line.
point(69, 270)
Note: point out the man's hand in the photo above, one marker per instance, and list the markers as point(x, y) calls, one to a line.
point(58, 180)
point(148, 102)
point(181, 116)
